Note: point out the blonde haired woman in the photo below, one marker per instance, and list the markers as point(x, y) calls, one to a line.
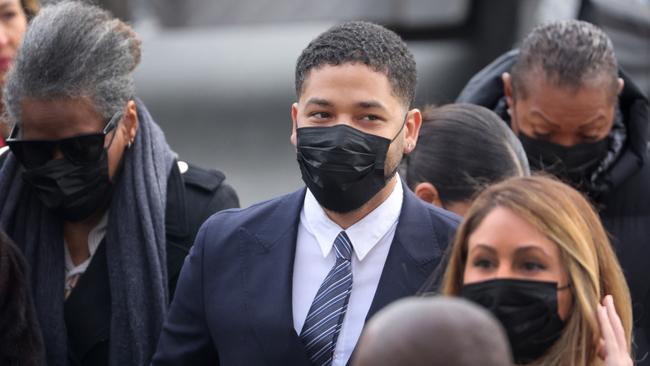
point(533, 251)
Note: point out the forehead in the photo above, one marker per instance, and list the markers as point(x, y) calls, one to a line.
point(505, 231)
point(9, 2)
point(58, 118)
point(564, 103)
point(348, 83)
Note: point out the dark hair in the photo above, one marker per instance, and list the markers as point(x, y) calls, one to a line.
point(570, 53)
point(461, 149)
point(365, 43)
point(20, 337)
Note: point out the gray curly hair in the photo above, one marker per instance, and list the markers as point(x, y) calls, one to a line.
point(570, 53)
point(74, 50)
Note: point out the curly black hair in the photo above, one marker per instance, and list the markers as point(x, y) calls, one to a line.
point(366, 43)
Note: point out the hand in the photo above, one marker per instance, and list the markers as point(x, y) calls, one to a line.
point(613, 346)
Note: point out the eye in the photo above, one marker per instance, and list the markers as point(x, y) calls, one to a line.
point(483, 263)
point(590, 138)
point(542, 135)
point(532, 266)
point(319, 115)
point(372, 117)
point(8, 15)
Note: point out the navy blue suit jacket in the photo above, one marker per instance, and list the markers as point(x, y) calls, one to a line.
point(233, 303)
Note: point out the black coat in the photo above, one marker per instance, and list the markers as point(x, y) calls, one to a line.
point(625, 207)
point(192, 196)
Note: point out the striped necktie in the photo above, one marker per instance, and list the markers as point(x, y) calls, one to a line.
point(327, 311)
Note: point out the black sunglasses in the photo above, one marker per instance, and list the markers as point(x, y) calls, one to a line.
point(78, 149)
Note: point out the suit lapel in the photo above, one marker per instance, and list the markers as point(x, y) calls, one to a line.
point(268, 248)
point(413, 255)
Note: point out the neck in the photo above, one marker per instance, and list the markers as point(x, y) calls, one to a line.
point(345, 220)
point(76, 236)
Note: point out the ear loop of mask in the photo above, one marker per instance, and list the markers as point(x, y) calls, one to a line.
point(395, 138)
point(401, 128)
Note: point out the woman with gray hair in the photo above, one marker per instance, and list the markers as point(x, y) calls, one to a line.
point(91, 191)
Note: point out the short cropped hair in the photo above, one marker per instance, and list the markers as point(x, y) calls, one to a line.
point(569, 53)
point(364, 43)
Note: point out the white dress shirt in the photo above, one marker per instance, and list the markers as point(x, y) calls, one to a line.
point(95, 237)
point(371, 238)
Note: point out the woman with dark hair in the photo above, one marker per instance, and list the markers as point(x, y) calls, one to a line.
point(14, 16)
point(461, 149)
point(20, 337)
point(91, 191)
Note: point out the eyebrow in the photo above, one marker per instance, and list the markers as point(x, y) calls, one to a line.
point(366, 104)
point(518, 251)
point(529, 248)
point(369, 104)
point(483, 246)
point(319, 102)
point(582, 126)
point(5, 3)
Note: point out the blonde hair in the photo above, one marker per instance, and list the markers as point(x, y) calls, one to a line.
point(567, 219)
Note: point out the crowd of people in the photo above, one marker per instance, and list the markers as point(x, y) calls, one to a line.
point(507, 228)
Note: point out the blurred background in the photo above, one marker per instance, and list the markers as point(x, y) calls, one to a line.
point(217, 75)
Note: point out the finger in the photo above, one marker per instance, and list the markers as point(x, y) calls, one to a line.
point(611, 346)
point(616, 323)
point(602, 352)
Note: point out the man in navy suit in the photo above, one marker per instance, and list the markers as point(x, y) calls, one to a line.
point(291, 281)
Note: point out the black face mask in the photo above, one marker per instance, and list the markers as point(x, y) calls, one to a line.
point(71, 190)
point(573, 164)
point(342, 166)
point(526, 309)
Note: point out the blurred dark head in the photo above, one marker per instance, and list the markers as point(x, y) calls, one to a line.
point(433, 331)
point(462, 148)
point(20, 335)
point(362, 43)
point(564, 85)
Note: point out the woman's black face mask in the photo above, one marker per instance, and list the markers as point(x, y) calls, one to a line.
point(343, 167)
point(528, 310)
point(75, 186)
point(72, 191)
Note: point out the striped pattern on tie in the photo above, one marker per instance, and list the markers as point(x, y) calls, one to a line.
point(327, 311)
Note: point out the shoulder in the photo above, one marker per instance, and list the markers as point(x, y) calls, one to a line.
point(207, 187)
point(425, 217)
point(254, 214)
point(486, 88)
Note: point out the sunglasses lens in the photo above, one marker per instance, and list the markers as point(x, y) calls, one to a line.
point(32, 154)
point(83, 149)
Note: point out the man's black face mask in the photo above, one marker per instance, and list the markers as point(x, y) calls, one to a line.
point(342, 166)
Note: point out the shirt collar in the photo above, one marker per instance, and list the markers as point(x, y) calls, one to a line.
point(95, 238)
point(364, 234)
